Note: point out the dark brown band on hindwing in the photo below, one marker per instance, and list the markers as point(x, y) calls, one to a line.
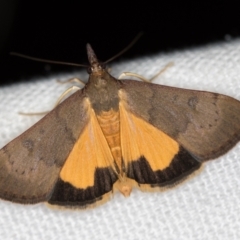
point(182, 165)
point(66, 194)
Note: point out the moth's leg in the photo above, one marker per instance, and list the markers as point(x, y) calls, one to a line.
point(72, 80)
point(63, 95)
point(109, 69)
point(170, 64)
point(124, 74)
point(129, 74)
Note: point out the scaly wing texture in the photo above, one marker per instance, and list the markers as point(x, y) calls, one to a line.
point(30, 164)
point(205, 124)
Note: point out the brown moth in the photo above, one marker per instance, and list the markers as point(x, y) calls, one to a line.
point(116, 134)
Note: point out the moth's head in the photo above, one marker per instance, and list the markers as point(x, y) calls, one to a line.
point(96, 67)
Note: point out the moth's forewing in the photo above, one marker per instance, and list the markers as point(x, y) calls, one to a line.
point(205, 124)
point(30, 164)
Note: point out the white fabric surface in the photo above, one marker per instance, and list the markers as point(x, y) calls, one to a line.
point(204, 207)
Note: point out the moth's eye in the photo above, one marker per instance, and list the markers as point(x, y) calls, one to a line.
point(89, 70)
point(103, 65)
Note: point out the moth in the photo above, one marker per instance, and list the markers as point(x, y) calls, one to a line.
point(116, 135)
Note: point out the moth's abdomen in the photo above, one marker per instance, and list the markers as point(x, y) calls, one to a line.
point(110, 124)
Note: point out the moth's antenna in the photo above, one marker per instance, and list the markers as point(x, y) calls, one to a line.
point(47, 61)
point(75, 64)
point(126, 48)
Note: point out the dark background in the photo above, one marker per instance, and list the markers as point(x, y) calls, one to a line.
point(60, 31)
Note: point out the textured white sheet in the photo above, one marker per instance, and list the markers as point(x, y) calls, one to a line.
point(204, 207)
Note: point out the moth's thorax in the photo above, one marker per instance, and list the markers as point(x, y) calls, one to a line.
point(102, 91)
